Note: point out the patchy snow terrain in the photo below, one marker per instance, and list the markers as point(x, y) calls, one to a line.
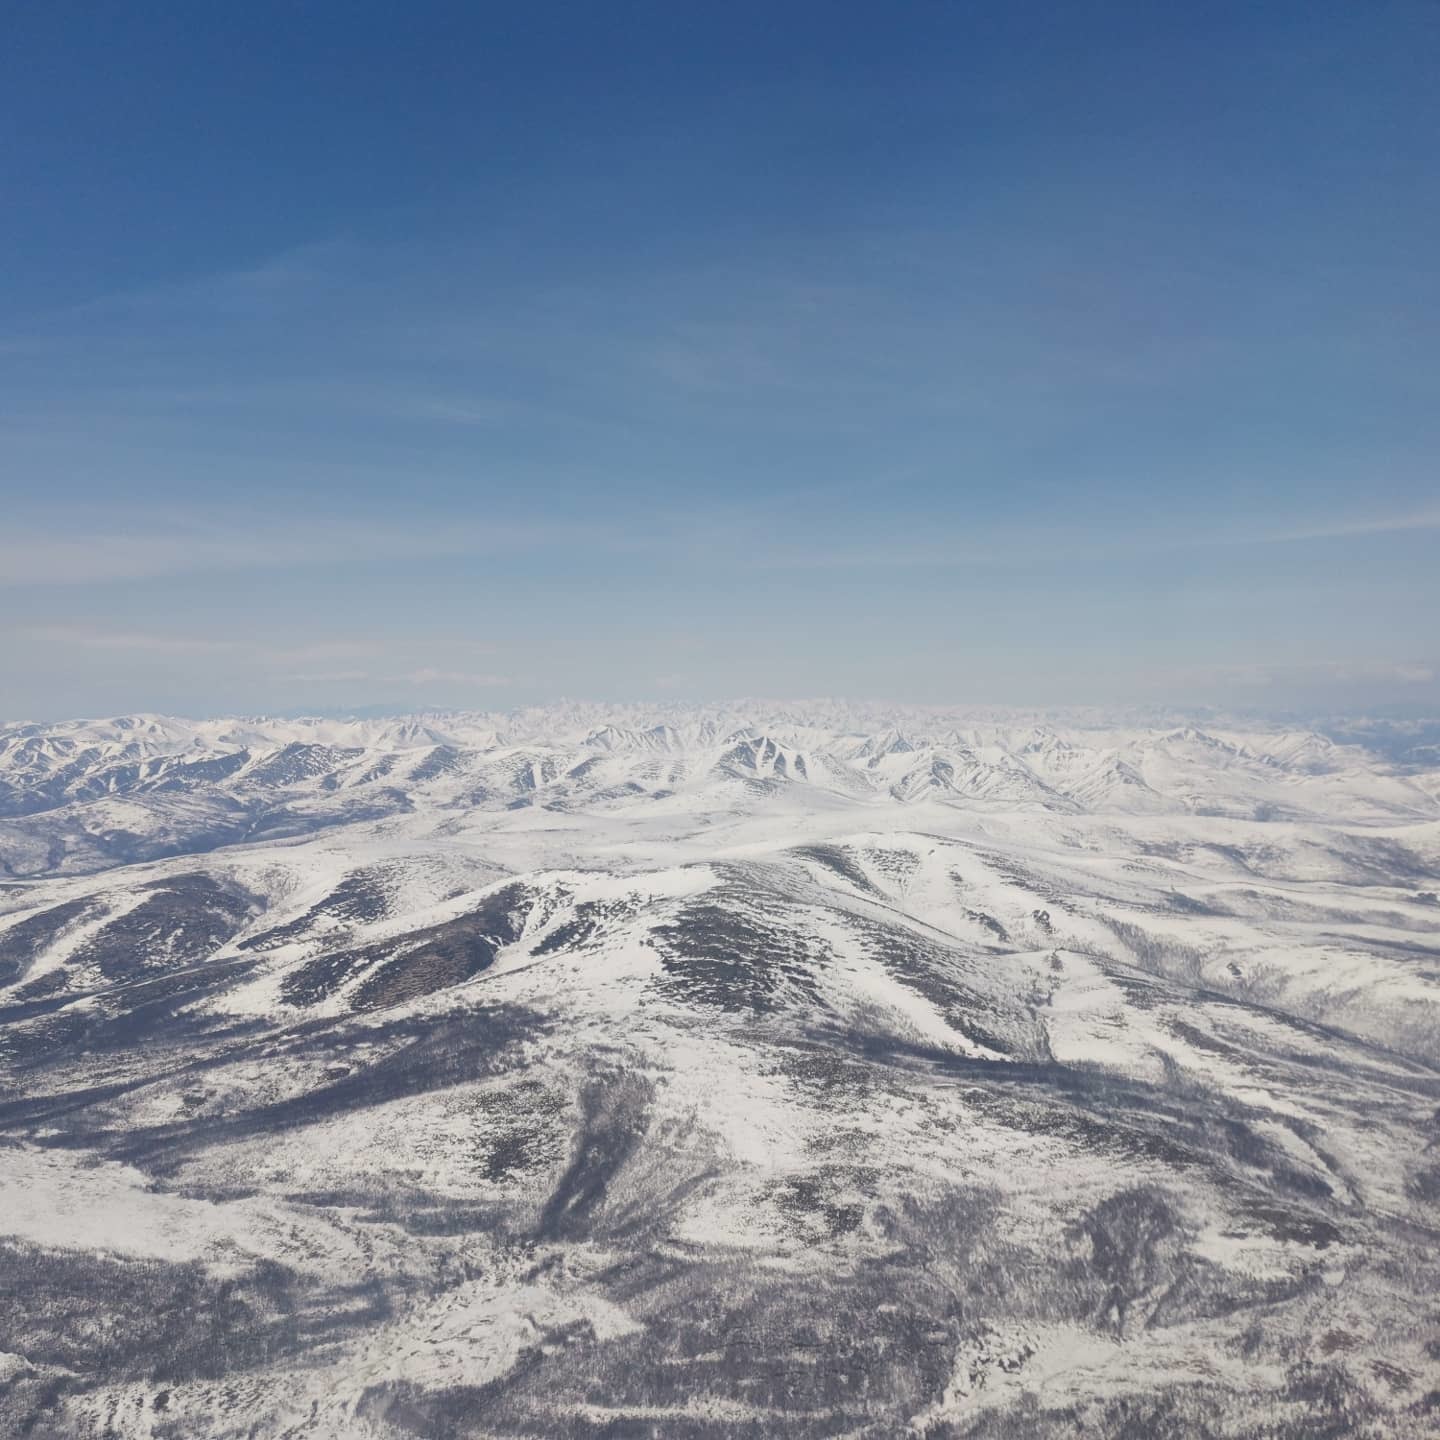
point(776, 1071)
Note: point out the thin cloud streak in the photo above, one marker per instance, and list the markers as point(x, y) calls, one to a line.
point(260, 654)
point(130, 640)
point(43, 559)
point(1298, 674)
point(1425, 519)
point(275, 279)
point(431, 676)
point(97, 638)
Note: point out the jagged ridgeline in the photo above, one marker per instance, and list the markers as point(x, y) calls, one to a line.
point(767, 1072)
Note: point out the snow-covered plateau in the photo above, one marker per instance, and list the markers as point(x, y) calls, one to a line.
point(757, 1071)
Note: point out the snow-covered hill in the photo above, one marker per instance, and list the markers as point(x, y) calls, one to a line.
point(90, 794)
point(766, 1070)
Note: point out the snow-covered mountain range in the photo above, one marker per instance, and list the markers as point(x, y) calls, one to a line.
point(762, 1070)
point(88, 794)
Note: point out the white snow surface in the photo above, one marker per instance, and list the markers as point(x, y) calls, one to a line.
point(545, 1071)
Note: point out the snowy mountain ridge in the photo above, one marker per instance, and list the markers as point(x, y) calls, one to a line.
point(695, 1073)
point(105, 786)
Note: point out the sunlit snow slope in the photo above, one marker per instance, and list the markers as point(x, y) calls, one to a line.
point(775, 1071)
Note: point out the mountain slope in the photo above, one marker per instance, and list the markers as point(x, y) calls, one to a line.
point(526, 1076)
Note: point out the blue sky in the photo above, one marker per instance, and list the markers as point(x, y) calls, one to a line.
point(472, 355)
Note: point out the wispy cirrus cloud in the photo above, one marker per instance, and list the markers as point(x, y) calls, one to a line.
point(40, 557)
point(327, 677)
point(94, 637)
point(87, 638)
point(1296, 675)
point(430, 675)
point(379, 664)
point(49, 553)
point(266, 285)
point(44, 555)
point(1343, 527)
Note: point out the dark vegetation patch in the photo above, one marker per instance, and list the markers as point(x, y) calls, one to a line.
point(990, 923)
point(419, 963)
point(186, 774)
point(612, 1123)
point(898, 866)
point(1133, 1239)
point(1313, 1403)
point(522, 1128)
point(298, 761)
point(41, 986)
point(440, 761)
point(725, 953)
point(1424, 1183)
point(1042, 887)
point(361, 897)
point(416, 1056)
point(587, 922)
point(822, 1202)
point(1291, 1224)
point(1379, 860)
point(154, 1012)
point(1160, 954)
point(1109, 1114)
point(104, 1319)
point(182, 922)
point(847, 1353)
point(627, 790)
point(938, 973)
point(1183, 904)
point(840, 862)
point(833, 1073)
point(24, 943)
